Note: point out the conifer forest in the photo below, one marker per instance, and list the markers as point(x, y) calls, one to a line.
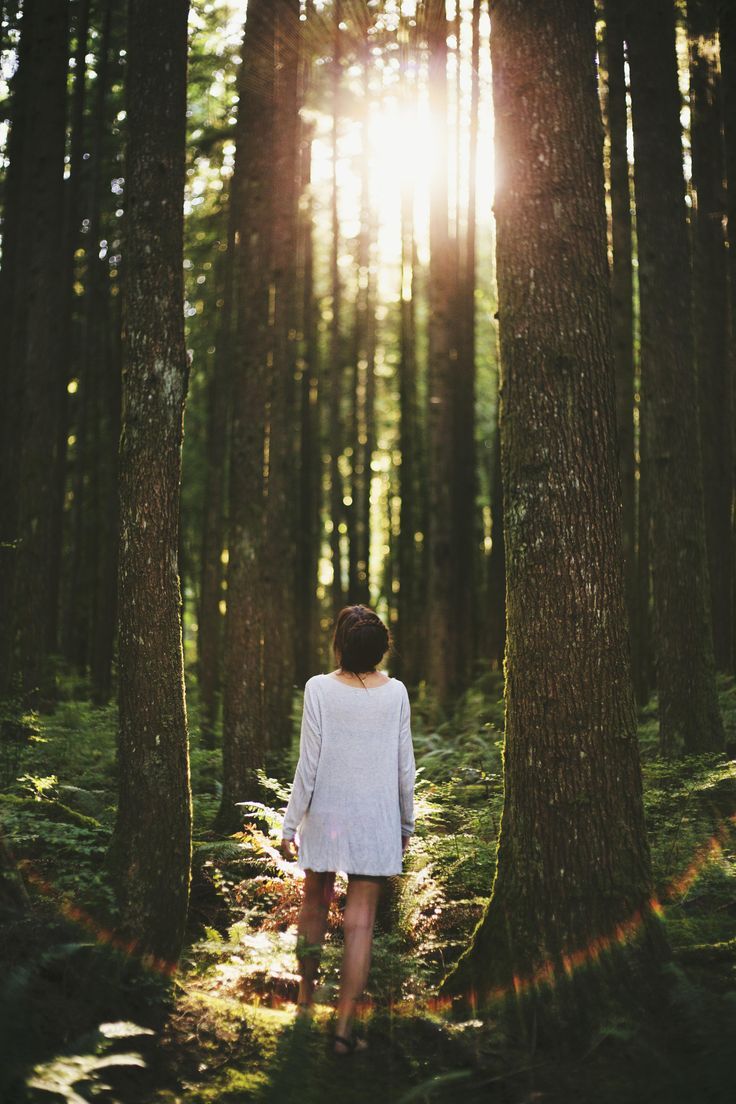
point(422, 305)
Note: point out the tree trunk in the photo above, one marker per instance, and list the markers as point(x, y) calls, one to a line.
point(43, 290)
point(243, 734)
point(406, 632)
point(335, 354)
point(150, 851)
point(622, 294)
point(688, 705)
point(72, 220)
point(497, 564)
point(209, 619)
point(12, 324)
point(442, 358)
point(727, 36)
point(465, 515)
point(710, 300)
point(568, 883)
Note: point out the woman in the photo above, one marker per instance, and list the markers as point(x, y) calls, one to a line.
point(352, 803)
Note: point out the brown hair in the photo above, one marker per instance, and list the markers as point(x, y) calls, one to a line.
point(361, 639)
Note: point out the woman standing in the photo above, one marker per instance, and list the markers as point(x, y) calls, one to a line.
point(352, 803)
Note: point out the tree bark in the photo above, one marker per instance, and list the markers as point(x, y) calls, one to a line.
point(727, 36)
point(567, 882)
point(243, 736)
point(688, 704)
point(335, 353)
point(209, 619)
point(279, 557)
point(440, 671)
point(710, 302)
point(150, 851)
point(42, 198)
point(622, 293)
point(465, 515)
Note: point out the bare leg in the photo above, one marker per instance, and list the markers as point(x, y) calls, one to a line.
point(318, 887)
point(360, 914)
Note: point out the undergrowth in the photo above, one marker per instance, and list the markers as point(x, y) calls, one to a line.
point(83, 1022)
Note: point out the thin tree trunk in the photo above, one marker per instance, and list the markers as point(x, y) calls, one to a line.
point(72, 219)
point(209, 620)
point(243, 735)
point(13, 274)
point(622, 294)
point(727, 36)
point(407, 605)
point(335, 354)
point(43, 290)
point(465, 517)
point(710, 300)
point(150, 852)
point(279, 557)
point(441, 589)
point(566, 882)
point(310, 451)
point(688, 704)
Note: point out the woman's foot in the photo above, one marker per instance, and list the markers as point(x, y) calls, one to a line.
point(348, 1044)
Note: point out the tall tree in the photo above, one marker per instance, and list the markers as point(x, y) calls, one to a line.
point(465, 515)
point(440, 583)
point(565, 881)
point(38, 305)
point(151, 847)
point(278, 548)
point(622, 293)
point(407, 631)
point(209, 618)
point(710, 298)
point(244, 733)
point(688, 704)
point(335, 351)
point(727, 37)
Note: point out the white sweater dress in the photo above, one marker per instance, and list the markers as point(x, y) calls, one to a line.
point(353, 793)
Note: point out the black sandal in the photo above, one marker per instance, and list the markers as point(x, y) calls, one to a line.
point(352, 1044)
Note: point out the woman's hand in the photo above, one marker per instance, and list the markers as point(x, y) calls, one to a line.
point(404, 843)
point(287, 847)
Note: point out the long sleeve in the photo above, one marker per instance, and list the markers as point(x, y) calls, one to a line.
point(407, 770)
point(310, 742)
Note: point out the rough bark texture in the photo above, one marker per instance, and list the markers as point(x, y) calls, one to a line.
point(406, 632)
point(573, 862)
point(622, 292)
point(151, 847)
point(727, 35)
point(688, 705)
point(710, 301)
point(209, 619)
point(243, 735)
point(440, 665)
point(43, 295)
point(465, 513)
point(335, 353)
point(278, 555)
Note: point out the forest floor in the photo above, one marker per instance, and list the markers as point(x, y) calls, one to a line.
point(81, 1021)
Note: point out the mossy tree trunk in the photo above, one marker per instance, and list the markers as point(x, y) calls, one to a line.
point(688, 705)
point(150, 852)
point(573, 861)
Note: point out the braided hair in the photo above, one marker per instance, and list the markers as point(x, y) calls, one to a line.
point(361, 639)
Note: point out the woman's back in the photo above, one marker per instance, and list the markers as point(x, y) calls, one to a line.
point(353, 790)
